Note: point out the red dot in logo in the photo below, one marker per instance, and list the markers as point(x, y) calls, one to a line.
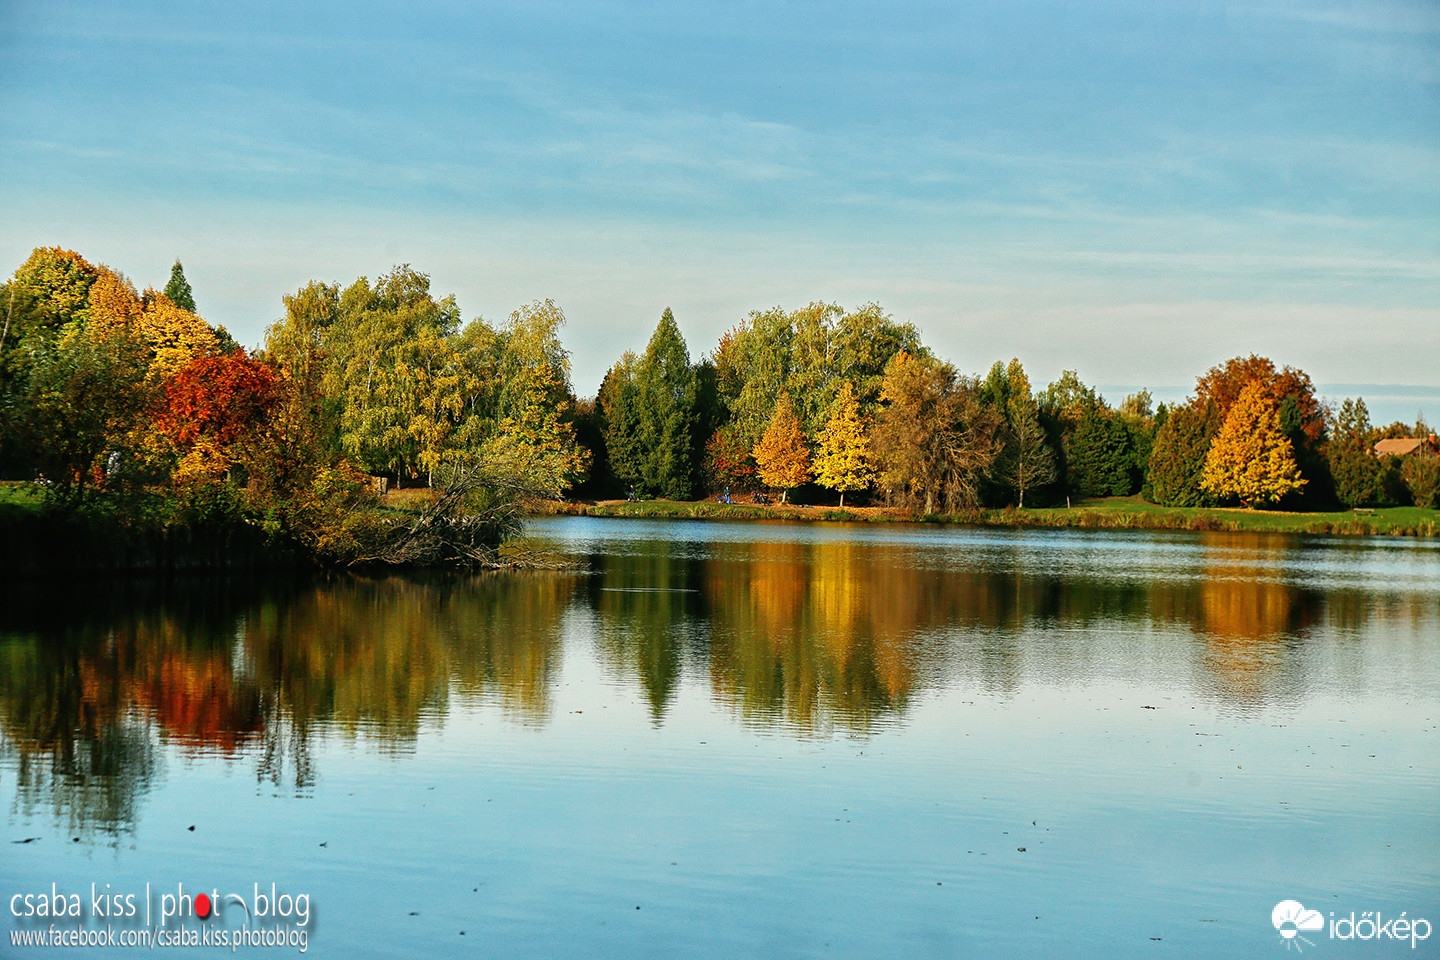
point(202, 905)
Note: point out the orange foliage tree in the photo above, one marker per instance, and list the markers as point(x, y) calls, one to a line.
point(782, 454)
point(1224, 383)
point(1251, 458)
point(212, 403)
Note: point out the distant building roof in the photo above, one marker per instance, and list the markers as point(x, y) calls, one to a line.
point(1400, 446)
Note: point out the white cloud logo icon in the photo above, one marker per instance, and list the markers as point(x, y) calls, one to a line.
point(1290, 917)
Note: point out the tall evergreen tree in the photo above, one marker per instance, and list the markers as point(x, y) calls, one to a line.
point(178, 289)
point(667, 391)
point(1101, 458)
point(1177, 459)
point(1354, 466)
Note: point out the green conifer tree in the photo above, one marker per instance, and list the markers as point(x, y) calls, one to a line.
point(1353, 464)
point(178, 289)
point(667, 394)
point(1100, 458)
point(1177, 460)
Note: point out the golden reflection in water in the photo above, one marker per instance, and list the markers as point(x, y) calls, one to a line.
point(1249, 614)
point(377, 657)
point(503, 637)
point(799, 631)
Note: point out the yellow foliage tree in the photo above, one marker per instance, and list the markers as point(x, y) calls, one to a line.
point(114, 304)
point(781, 454)
point(538, 439)
point(842, 461)
point(177, 336)
point(1251, 458)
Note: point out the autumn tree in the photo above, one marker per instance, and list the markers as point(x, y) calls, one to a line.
point(1421, 473)
point(1223, 384)
point(1302, 418)
point(178, 289)
point(386, 356)
point(1353, 463)
point(303, 432)
point(753, 365)
point(842, 457)
point(49, 291)
point(55, 285)
point(79, 318)
point(530, 358)
point(1026, 460)
point(807, 353)
point(211, 405)
point(530, 337)
point(782, 455)
point(474, 383)
point(1251, 458)
point(84, 398)
point(934, 441)
point(1068, 398)
point(176, 336)
point(537, 437)
point(114, 301)
point(728, 460)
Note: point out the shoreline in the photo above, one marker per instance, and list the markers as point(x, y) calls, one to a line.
point(1111, 513)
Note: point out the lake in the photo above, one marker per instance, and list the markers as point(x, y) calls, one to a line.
point(741, 740)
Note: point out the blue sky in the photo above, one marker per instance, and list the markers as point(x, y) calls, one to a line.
point(1133, 190)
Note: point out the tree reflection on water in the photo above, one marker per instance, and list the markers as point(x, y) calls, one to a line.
point(818, 637)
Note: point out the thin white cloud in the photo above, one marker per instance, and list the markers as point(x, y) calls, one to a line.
point(1379, 16)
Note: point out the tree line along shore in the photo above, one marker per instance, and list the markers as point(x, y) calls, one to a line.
point(127, 408)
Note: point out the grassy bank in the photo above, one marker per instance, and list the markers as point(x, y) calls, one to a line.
point(25, 534)
point(1109, 513)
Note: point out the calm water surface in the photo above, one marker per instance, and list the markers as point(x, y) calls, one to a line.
point(749, 740)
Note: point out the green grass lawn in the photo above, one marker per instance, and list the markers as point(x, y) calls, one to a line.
point(1108, 512)
point(678, 509)
point(18, 497)
point(1135, 512)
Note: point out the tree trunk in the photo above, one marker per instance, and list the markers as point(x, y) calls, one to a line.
point(842, 499)
point(8, 311)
